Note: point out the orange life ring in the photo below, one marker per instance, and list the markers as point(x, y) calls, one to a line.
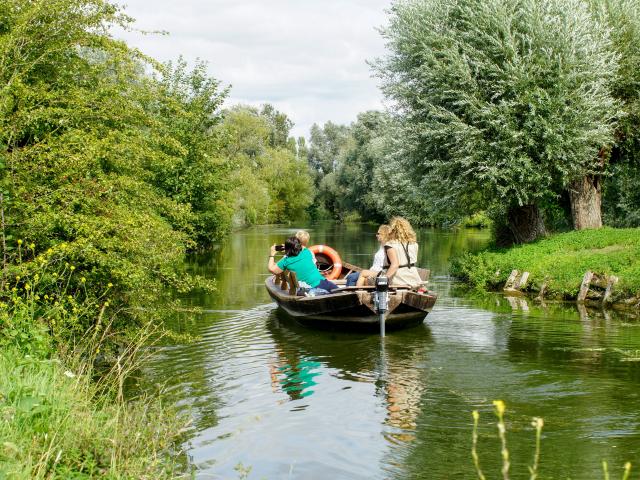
point(334, 258)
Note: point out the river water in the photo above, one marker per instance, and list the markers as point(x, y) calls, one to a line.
point(272, 399)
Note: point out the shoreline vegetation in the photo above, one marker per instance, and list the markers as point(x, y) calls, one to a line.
point(58, 422)
point(557, 265)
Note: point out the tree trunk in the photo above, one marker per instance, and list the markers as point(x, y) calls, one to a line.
point(586, 202)
point(525, 223)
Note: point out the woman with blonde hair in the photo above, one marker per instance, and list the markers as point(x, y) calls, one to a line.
point(402, 254)
point(378, 260)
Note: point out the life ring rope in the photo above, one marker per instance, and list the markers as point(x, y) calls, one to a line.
point(334, 257)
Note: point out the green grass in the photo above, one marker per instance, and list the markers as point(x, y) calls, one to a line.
point(58, 423)
point(561, 259)
point(59, 418)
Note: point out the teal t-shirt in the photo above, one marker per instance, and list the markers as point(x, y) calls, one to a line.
point(303, 266)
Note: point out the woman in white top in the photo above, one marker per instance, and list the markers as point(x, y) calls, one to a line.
point(378, 258)
point(402, 253)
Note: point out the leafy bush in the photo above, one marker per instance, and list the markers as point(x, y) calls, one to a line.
point(88, 142)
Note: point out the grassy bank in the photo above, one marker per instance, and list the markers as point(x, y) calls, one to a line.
point(561, 260)
point(58, 423)
point(59, 418)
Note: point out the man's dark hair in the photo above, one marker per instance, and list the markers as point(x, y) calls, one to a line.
point(292, 247)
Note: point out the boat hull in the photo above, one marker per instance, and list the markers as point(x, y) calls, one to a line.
point(353, 308)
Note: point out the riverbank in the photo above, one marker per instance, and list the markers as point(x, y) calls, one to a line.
point(63, 419)
point(559, 264)
point(57, 423)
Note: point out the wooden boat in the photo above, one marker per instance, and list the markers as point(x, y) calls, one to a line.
point(351, 306)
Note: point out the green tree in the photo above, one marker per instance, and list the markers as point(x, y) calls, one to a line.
point(503, 105)
point(621, 200)
point(280, 127)
point(355, 177)
point(328, 146)
point(270, 184)
point(80, 144)
point(193, 172)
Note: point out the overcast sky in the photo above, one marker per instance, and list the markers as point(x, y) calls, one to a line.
point(306, 57)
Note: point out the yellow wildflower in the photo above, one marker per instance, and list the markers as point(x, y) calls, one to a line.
point(32, 246)
point(82, 279)
point(72, 268)
point(500, 406)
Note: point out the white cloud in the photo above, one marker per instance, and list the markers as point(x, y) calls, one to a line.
point(306, 57)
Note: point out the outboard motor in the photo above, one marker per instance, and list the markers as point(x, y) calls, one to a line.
point(381, 299)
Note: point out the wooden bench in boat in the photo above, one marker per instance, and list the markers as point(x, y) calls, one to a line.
point(288, 281)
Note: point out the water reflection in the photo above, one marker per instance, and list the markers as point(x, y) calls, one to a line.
point(395, 365)
point(296, 378)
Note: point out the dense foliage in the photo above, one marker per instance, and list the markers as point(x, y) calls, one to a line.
point(517, 108)
point(270, 183)
point(113, 166)
point(621, 202)
point(503, 103)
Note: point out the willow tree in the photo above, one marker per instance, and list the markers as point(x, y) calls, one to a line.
point(621, 194)
point(503, 104)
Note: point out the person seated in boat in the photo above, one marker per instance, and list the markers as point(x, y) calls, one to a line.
point(363, 277)
point(300, 261)
point(303, 236)
point(401, 254)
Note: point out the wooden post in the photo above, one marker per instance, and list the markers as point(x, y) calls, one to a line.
point(543, 289)
point(607, 293)
point(584, 288)
point(522, 281)
point(511, 279)
point(515, 283)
